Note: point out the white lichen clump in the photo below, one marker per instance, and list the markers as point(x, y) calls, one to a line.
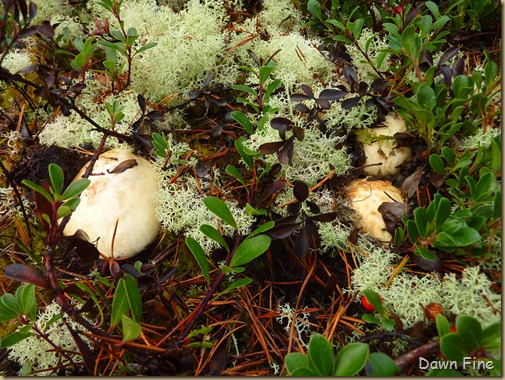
point(39, 353)
point(408, 294)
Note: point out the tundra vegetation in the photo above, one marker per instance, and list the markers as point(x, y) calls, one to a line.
point(322, 181)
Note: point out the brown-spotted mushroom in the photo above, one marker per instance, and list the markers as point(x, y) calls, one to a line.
point(365, 197)
point(121, 192)
point(384, 150)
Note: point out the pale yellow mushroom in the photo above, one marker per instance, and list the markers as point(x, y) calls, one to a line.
point(120, 197)
point(384, 150)
point(365, 197)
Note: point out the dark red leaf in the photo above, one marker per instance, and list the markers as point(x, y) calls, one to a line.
point(123, 166)
point(323, 103)
point(301, 191)
point(459, 67)
point(142, 102)
point(270, 190)
point(408, 187)
point(299, 133)
point(208, 79)
point(86, 353)
point(448, 54)
point(350, 75)
point(272, 147)
point(25, 273)
point(302, 108)
point(436, 179)
point(379, 85)
point(392, 211)
point(282, 231)
point(293, 208)
point(285, 154)
point(216, 131)
point(154, 115)
point(314, 209)
point(46, 29)
point(282, 125)
point(362, 88)
point(428, 265)
point(28, 32)
point(413, 13)
point(79, 242)
point(349, 103)
point(332, 94)
point(307, 90)
point(298, 97)
point(326, 217)
point(302, 243)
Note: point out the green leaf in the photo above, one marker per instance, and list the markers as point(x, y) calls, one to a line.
point(426, 97)
point(9, 307)
point(249, 249)
point(232, 170)
point(314, 8)
point(303, 372)
point(242, 119)
point(351, 359)
point(296, 360)
point(146, 47)
point(470, 331)
point(76, 188)
point(14, 338)
point(264, 227)
point(442, 212)
point(421, 220)
point(237, 284)
point(369, 318)
point(412, 231)
point(491, 336)
point(214, 234)
point(453, 347)
point(200, 257)
point(271, 88)
point(239, 145)
point(57, 177)
point(443, 325)
point(320, 355)
point(444, 373)
point(382, 365)
point(374, 299)
point(485, 186)
point(39, 189)
point(221, 210)
point(126, 298)
point(437, 163)
point(244, 88)
point(250, 210)
point(131, 328)
point(25, 298)
point(462, 237)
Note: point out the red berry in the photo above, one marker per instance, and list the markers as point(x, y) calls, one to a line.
point(453, 329)
point(367, 305)
point(398, 10)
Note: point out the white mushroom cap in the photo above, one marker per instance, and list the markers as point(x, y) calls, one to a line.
point(385, 152)
point(365, 197)
point(122, 194)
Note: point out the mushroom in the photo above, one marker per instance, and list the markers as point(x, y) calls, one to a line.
point(117, 208)
point(385, 151)
point(365, 197)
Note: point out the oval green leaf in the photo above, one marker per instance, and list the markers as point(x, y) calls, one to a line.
point(351, 359)
point(200, 257)
point(221, 210)
point(249, 249)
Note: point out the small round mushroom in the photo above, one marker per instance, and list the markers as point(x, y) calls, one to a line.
point(365, 197)
point(385, 151)
point(121, 193)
